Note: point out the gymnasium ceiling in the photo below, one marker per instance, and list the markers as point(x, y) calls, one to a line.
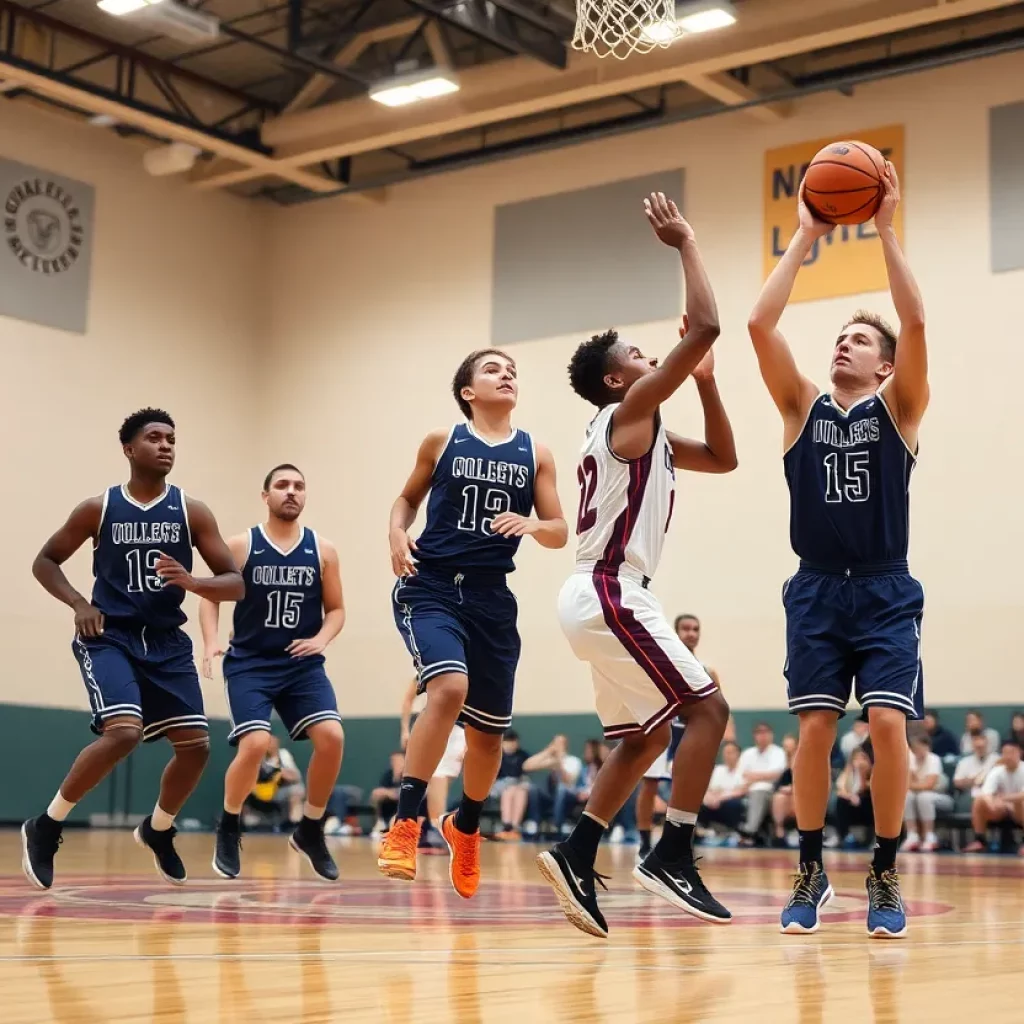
point(278, 106)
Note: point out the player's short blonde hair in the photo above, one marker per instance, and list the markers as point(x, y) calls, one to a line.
point(862, 316)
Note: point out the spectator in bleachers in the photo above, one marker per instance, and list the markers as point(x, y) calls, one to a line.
point(1017, 728)
point(782, 799)
point(1001, 798)
point(973, 768)
point(854, 738)
point(926, 797)
point(972, 721)
point(944, 743)
point(512, 788)
point(724, 801)
point(278, 789)
point(761, 765)
point(564, 768)
point(385, 797)
point(853, 796)
point(573, 786)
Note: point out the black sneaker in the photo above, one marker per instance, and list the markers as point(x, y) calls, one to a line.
point(574, 886)
point(680, 883)
point(40, 838)
point(161, 844)
point(227, 857)
point(308, 839)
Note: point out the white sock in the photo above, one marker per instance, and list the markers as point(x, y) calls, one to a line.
point(912, 837)
point(603, 824)
point(161, 820)
point(309, 811)
point(681, 817)
point(59, 808)
point(931, 837)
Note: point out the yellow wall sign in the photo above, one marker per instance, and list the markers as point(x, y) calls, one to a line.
point(849, 260)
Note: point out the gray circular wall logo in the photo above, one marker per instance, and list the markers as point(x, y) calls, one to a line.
point(43, 226)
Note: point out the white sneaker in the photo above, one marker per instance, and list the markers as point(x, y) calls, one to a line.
point(930, 844)
point(618, 834)
point(911, 843)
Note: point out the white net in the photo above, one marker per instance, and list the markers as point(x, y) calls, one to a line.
point(617, 28)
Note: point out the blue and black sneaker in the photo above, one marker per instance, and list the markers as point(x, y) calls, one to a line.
point(811, 891)
point(887, 917)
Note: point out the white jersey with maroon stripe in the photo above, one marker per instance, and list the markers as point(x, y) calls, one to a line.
point(625, 505)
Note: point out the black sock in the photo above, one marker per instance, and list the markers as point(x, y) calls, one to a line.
point(46, 822)
point(645, 840)
point(675, 844)
point(410, 796)
point(229, 822)
point(311, 824)
point(885, 854)
point(981, 837)
point(810, 846)
point(586, 838)
point(467, 817)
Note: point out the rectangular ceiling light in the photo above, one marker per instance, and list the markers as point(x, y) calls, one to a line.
point(405, 89)
point(705, 17)
point(121, 7)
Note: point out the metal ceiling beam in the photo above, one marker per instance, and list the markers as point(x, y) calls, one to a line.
point(505, 24)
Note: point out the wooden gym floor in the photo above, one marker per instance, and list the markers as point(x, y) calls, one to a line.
point(111, 943)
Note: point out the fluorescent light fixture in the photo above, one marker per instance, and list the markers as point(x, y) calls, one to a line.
point(103, 121)
point(705, 17)
point(119, 8)
point(402, 90)
point(661, 32)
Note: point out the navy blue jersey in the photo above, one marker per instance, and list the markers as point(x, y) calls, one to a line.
point(474, 481)
point(283, 595)
point(849, 485)
point(131, 539)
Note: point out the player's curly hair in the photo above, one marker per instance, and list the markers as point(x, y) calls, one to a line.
point(888, 346)
point(464, 375)
point(134, 423)
point(588, 367)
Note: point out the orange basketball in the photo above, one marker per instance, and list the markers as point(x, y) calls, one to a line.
point(844, 183)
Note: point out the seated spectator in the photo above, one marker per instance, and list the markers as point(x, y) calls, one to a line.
point(724, 801)
point(925, 798)
point(782, 799)
point(972, 769)
point(761, 766)
point(974, 720)
point(385, 797)
point(853, 739)
point(565, 769)
point(1001, 798)
point(1017, 728)
point(278, 788)
point(944, 743)
point(511, 788)
point(853, 796)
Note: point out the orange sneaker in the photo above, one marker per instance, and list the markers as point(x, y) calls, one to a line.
point(464, 853)
point(397, 855)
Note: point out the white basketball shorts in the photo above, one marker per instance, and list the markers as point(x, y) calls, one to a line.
point(454, 755)
point(661, 769)
point(643, 673)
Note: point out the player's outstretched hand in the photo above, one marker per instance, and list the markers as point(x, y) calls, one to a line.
point(306, 648)
point(705, 369)
point(88, 619)
point(668, 223)
point(402, 547)
point(208, 659)
point(509, 524)
point(173, 573)
point(890, 199)
point(817, 228)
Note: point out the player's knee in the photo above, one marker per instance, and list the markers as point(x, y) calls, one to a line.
point(818, 729)
point(715, 708)
point(328, 739)
point(448, 693)
point(887, 726)
point(193, 749)
point(121, 740)
point(253, 746)
point(488, 743)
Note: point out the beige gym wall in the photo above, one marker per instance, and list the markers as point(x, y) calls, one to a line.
point(373, 306)
point(175, 317)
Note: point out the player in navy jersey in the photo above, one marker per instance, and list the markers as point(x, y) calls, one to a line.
point(451, 602)
point(292, 609)
point(135, 659)
point(853, 611)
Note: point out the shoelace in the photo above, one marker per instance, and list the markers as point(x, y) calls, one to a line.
point(884, 890)
point(804, 889)
point(404, 836)
point(49, 843)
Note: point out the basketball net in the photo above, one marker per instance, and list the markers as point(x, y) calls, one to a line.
point(617, 28)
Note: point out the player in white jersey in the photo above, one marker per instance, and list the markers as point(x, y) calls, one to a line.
point(643, 673)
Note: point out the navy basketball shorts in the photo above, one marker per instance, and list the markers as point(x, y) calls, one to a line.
point(296, 688)
point(455, 623)
point(141, 672)
point(859, 633)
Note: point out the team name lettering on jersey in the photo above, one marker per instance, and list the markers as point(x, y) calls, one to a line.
point(508, 474)
point(283, 575)
point(838, 436)
point(145, 533)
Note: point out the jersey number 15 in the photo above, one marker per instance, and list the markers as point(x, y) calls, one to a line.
point(847, 479)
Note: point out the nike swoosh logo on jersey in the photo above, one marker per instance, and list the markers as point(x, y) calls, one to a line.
point(459, 440)
point(308, 551)
point(260, 552)
point(172, 508)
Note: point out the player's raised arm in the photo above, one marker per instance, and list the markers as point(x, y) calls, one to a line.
point(909, 388)
point(701, 322)
point(209, 611)
point(791, 391)
point(82, 525)
point(717, 452)
point(333, 601)
point(548, 528)
point(226, 584)
point(403, 512)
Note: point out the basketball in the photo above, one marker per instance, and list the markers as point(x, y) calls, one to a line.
point(844, 183)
